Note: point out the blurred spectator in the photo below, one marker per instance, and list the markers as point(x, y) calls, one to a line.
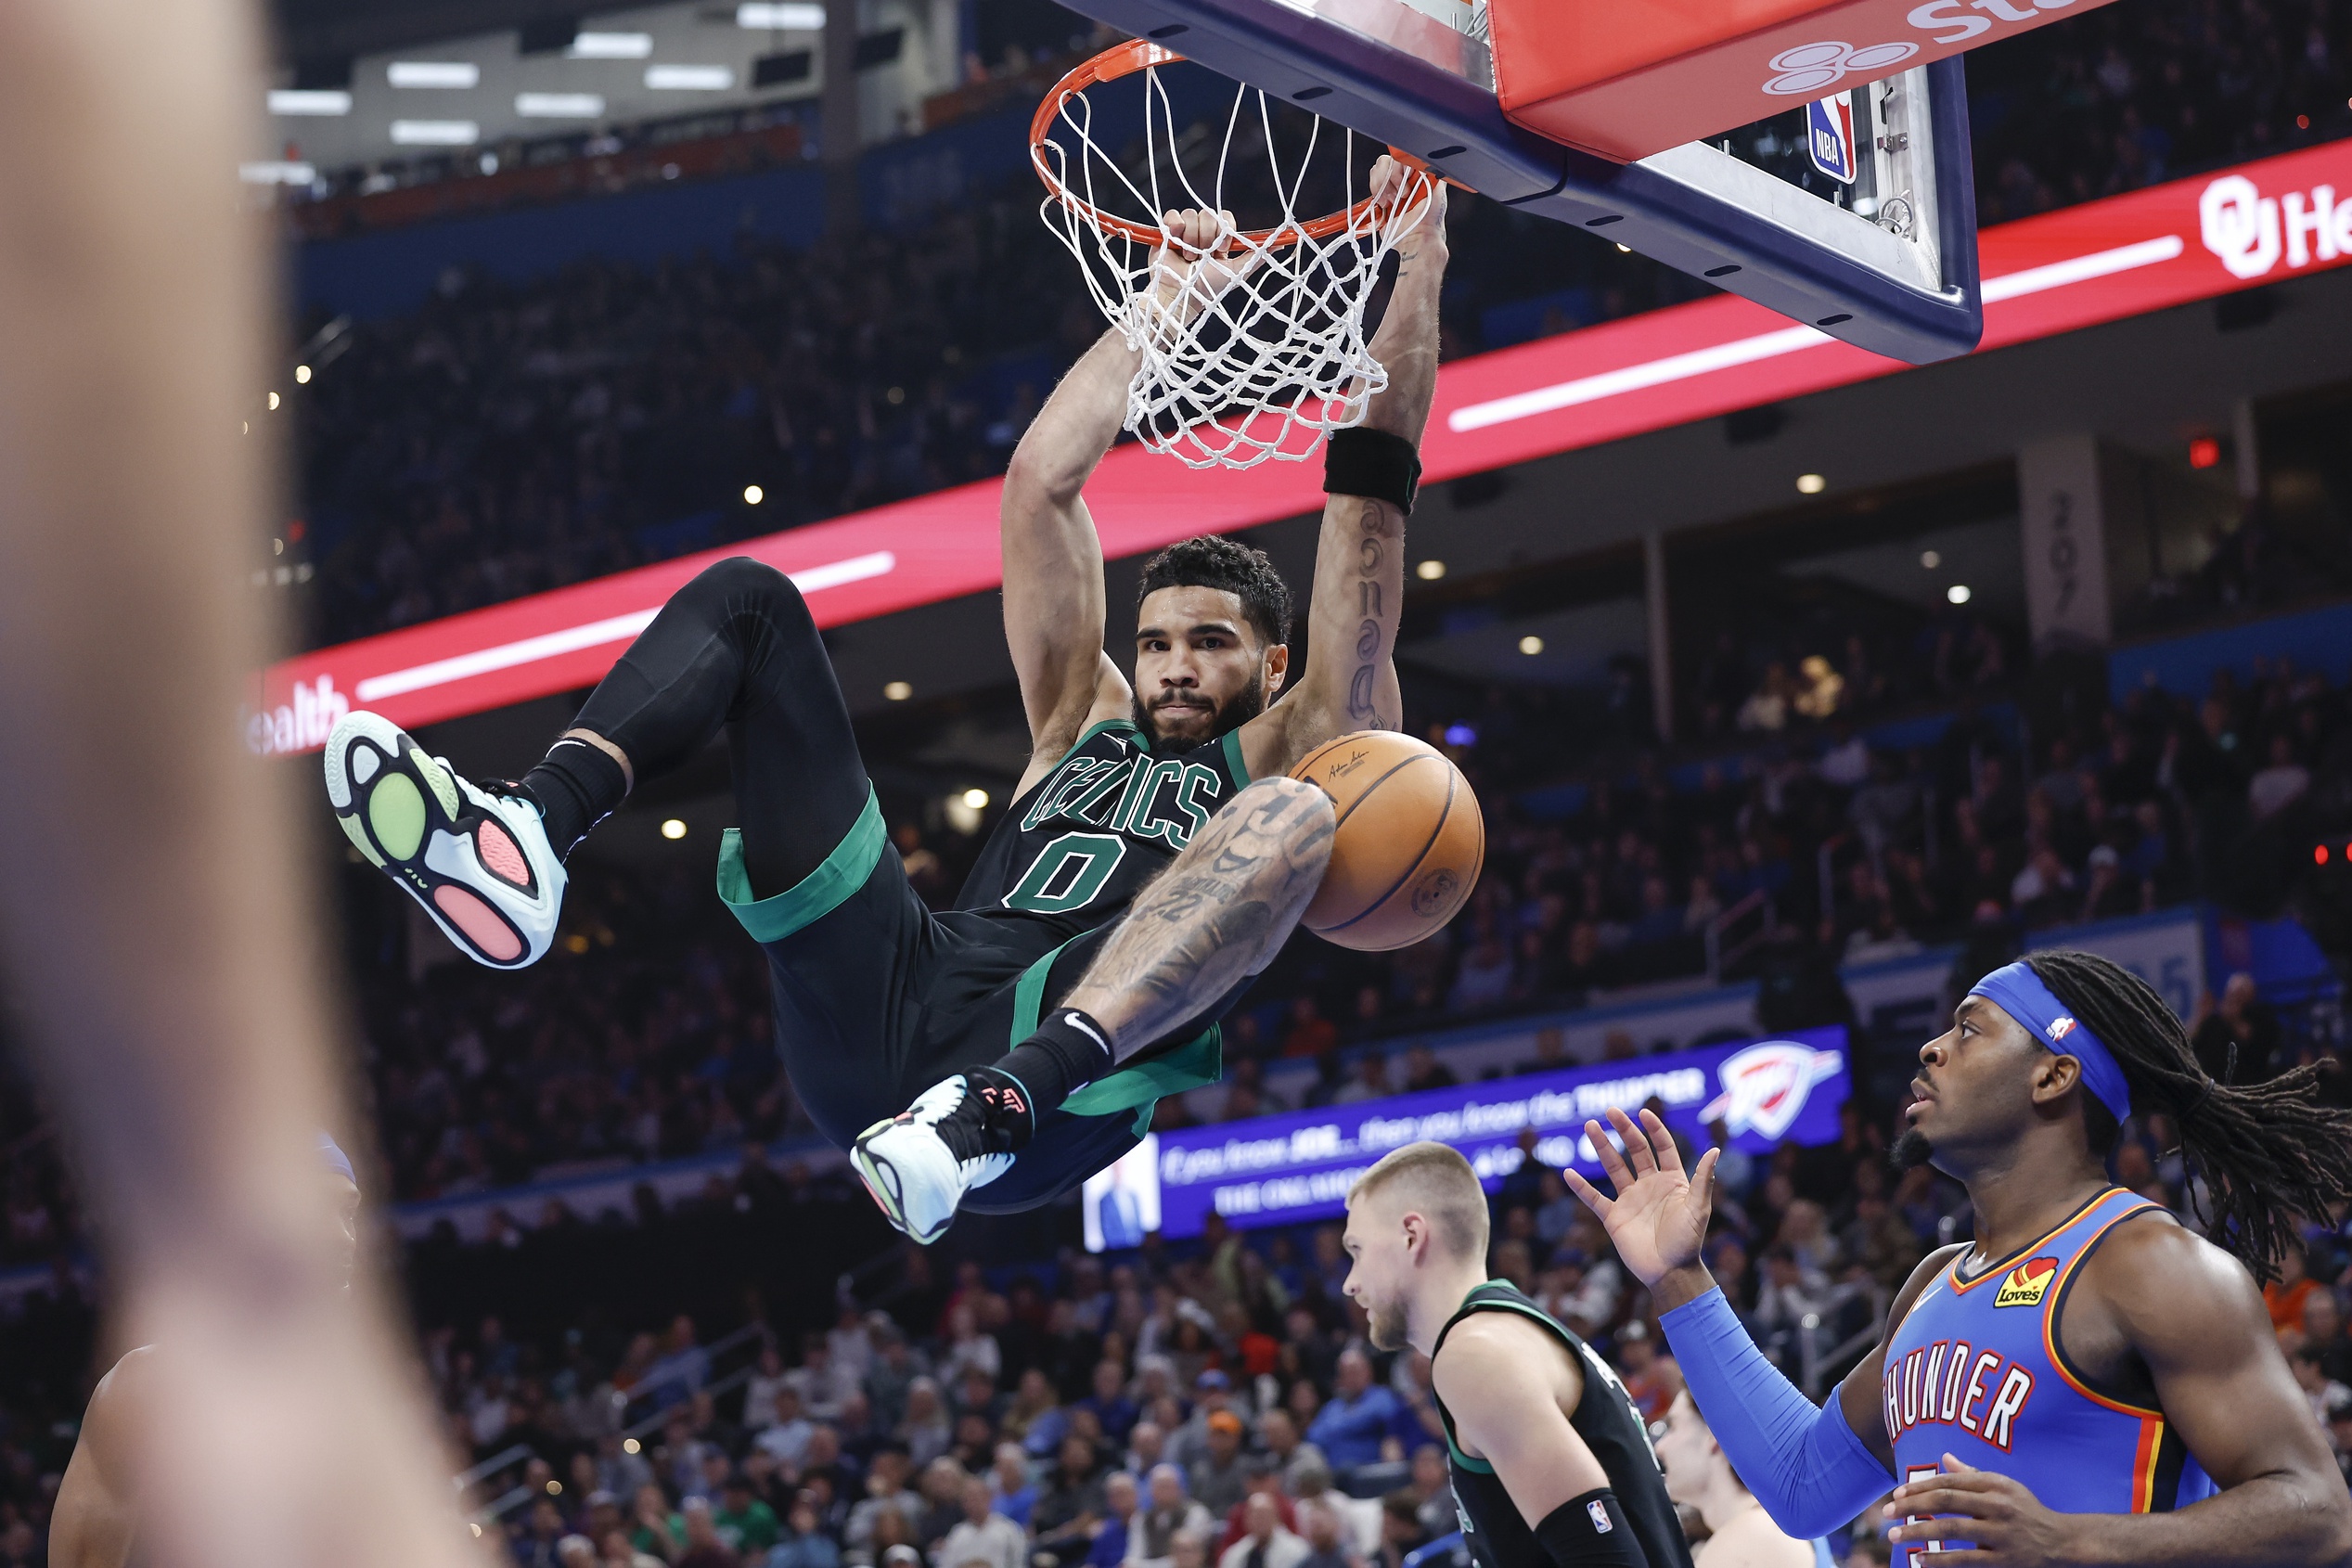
point(2238, 1041)
point(1266, 1542)
point(1167, 1510)
point(983, 1535)
point(1358, 1419)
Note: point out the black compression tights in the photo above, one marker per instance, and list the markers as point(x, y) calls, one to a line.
point(736, 646)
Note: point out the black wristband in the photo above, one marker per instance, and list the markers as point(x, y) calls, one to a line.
point(1373, 464)
point(1590, 1531)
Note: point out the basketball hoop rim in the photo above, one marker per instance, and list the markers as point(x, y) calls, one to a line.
point(1125, 59)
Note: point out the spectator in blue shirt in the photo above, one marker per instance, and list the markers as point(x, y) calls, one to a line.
point(1360, 1415)
point(1016, 1492)
point(1108, 1548)
point(1109, 1402)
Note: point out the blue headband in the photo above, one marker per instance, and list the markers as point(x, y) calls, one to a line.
point(2021, 994)
point(332, 1155)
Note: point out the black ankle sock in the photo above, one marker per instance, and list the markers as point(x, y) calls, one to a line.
point(577, 787)
point(1069, 1051)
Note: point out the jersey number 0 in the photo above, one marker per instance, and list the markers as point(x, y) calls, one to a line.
point(1067, 874)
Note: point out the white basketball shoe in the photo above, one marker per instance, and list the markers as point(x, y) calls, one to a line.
point(478, 861)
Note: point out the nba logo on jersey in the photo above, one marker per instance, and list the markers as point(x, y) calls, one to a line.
point(2026, 1283)
point(1600, 1517)
point(1829, 137)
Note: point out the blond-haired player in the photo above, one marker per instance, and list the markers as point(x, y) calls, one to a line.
point(1551, 1463)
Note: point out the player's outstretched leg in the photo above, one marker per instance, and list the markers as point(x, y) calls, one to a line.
point(735, 649)
point(478, 859)
point(1217, 915)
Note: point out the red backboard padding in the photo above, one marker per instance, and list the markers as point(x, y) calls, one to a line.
point(1628, 78)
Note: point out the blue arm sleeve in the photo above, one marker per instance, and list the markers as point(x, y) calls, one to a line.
point(1800, 1460)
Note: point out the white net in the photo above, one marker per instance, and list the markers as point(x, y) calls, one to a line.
point(1253, 342)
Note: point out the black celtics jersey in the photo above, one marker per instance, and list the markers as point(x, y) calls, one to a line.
point(1074, 851)
point(1605, 1418)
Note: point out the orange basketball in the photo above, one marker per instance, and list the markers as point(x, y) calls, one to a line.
point(1410, 841)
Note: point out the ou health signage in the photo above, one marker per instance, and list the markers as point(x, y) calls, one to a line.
point(2079, 266)
point(1281, 1170)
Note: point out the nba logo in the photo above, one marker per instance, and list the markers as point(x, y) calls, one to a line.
point(1829, 137)
point(1600, 1515)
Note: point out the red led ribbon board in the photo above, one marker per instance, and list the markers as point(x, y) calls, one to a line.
point(1634, 77)
point(2169, 245)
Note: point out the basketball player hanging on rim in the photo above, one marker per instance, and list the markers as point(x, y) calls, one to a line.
point(1552, 1460)
point(2088, 1381)
point(1153, 860)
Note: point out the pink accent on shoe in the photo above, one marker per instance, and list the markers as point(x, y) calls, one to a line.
point(480, 922)
point(501, 853)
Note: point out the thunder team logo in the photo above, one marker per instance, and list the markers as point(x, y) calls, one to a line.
point(1765, 1086)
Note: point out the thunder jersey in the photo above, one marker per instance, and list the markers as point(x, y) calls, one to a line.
point(1074, 851)
point(1974, 1370)
point(1605, 1418)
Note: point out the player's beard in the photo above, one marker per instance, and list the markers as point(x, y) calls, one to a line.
point(1230, 714)
point(1386, 1325)
point(1911, 1150)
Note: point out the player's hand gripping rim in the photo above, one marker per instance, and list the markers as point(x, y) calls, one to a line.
point(1202, 256)
point(2004, 1524)
point(1658, 1221)
point(1412, 205)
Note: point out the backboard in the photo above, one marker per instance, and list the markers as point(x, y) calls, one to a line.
point(1887, 262)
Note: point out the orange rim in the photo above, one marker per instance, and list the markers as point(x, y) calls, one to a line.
point(1125, 59)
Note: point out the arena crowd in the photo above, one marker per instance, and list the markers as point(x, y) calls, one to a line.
point(510, 438)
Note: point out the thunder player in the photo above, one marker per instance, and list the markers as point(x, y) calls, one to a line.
point(96, 1517)
point(1551, 1463)
point(1177, 782)
point(2088, 1382)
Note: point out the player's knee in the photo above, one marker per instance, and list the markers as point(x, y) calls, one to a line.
point(741, 582)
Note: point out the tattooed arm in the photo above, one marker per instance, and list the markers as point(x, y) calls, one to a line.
point(1349, 682)
point(1217, 915)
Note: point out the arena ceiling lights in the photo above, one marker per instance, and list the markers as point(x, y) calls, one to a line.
point(559, 106)
point(435, 133)
point(652, 61)
point(780, 16)
point(443, 74)
point(309, 101)
point(688, 77)
point(611, 46)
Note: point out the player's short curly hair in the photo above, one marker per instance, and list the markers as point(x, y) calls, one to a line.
point(1210, 561)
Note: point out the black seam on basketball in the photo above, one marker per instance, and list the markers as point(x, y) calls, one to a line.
point(1364, 793)
point(1430, 843)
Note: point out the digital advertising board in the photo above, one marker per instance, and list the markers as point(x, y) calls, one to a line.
point(1298, 1165)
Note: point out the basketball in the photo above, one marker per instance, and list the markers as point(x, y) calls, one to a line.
point(1410, 845)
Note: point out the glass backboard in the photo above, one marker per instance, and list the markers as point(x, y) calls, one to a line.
point(1886, 261)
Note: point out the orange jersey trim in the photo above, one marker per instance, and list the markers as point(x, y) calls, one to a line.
point(2050, 1345)
point(2143, 1463)
point(2000, 1270)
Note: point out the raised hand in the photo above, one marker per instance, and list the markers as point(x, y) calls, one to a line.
point(1658, 1220)
point(1411, 202)
point(1197, 261)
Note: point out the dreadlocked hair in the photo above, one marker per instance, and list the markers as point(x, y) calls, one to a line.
point(2266, 1151)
